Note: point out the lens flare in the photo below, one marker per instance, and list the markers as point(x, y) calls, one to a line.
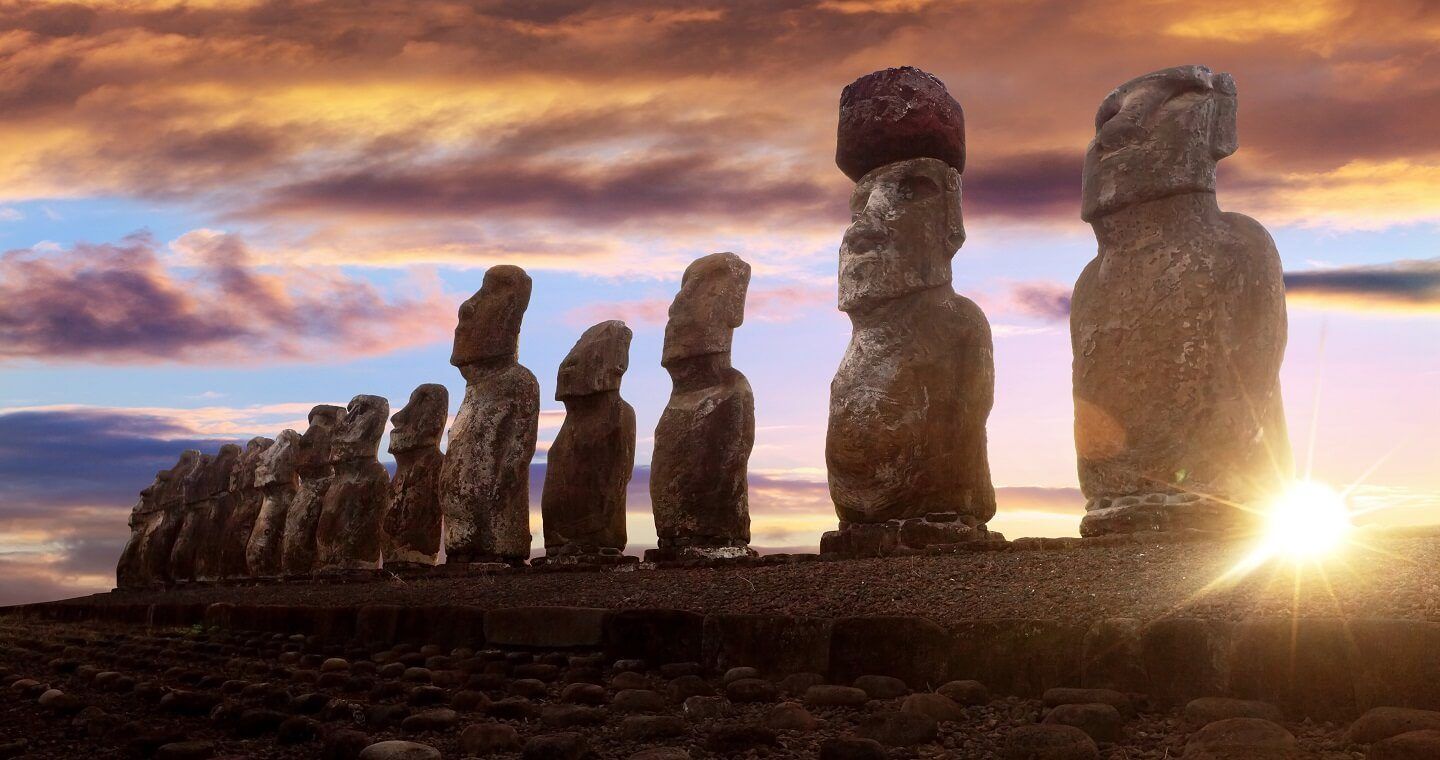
point(1309, 520)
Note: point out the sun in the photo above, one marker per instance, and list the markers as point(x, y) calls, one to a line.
point(1308, 521)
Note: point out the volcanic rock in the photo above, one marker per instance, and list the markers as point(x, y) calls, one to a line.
point(1178, 325)
point(1049, 742)
point(698, 487)
point(276, 477)
point(313, 465)
point(590, 463)
point(247, 499)
point(1241, 739)
point(894, 115)
point(413, 524)
point(485, 480)
point(349, 533)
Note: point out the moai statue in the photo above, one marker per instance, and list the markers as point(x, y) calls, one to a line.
point(412, 526)
point(698, 472)
point(182, 551)
point(908, 405)
point(247, 499)
point(1178, 324)
point(485, 481)
point(349, 535)
point(214, 511)
point(277, 479)
point(164, 527)
point(589, 465)
point(312, 464)
point(130, 570)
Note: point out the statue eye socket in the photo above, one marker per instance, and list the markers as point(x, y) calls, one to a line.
point(918, 188)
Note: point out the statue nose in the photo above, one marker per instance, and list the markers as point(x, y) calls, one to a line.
point(863, 234)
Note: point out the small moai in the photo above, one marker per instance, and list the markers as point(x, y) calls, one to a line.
point(1178, 325)
point(485, 481)
point(589, 465)
point(906, 445)
point(130, 569)
point(698, 487)
point(349, 533)
point(413, 524)
point(312, 464)
point(164, 527)
point(214, 511)
point(194, 491)
point(247, 498)
point(278, 480)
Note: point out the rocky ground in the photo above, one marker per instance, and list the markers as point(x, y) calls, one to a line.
point(96, 691)
point(1384, 576)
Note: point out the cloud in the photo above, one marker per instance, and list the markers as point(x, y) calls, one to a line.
point(1399, 286)
point(775, 304)
point(1048, 301)
point(121, 303)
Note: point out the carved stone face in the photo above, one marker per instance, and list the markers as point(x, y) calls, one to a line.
point(358, 435)
point(708, 308)
point(277, 464)
point(315, 442)
point(489, 325)
point(906, 224)
point(596, 363)
point(421, 423)
point(1156, 136)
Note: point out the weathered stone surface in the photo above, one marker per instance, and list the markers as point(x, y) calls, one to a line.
point(247, 498)
point(1384, 722)
point(413, 524)
point(130, 570)
point(1100, 721)
point(1049, 742)
point(195, 493)
point(164, 525)
point(698, 487)
point(348, 535)
point(1178, 325)
point(485, 480)
point(276, 477)
point(909, 403)
point(897, 114)
point(1415, 745)
point(312, 464)
point(212, 511)
point(590, 463)
point(1205, 710)
point(1241, 739)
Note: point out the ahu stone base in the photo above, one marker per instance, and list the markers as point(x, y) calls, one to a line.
point(1168, 512)
point(902, 536)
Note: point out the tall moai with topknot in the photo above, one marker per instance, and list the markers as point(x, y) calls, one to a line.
point(312, 463)
point(1178, 325)
point(485, 481)
point(698, 487)
point(350, 532)
point(276, 477)
point(247, 500)
point(413, 524)
point(909, 403)
point(589, 465)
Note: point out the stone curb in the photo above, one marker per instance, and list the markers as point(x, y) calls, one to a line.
point(1321, 668)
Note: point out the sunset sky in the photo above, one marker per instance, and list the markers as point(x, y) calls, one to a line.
point(214, 215)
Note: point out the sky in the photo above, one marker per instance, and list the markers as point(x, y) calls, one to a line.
point(214, 215)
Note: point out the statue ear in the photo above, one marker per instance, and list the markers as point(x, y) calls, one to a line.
point(954, 214)
point(1223, 138)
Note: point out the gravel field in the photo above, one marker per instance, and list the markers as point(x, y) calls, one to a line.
point(1388, 577)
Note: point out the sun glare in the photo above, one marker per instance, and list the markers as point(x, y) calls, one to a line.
point(1309, 520)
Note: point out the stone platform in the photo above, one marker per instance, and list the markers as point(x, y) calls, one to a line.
point(1145, 614)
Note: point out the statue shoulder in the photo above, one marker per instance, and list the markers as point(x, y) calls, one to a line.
point(1250, 232)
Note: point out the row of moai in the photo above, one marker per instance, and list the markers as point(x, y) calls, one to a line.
point(1178, 331)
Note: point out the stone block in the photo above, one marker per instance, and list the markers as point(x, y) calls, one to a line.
point(915, 650)
point(655, 635)
point(542, 627)
point(1018, 656)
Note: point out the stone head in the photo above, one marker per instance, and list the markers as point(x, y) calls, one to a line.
point(1156, 136)
point(708, 308)
point(277, 464)
point(906, 225)
point(422, 422)
point(315, 442)
point(358, 434)
point(222, 467)
point(489, 323)
point(596, 363)
point(196, 482)
point(243, 477)
point(149, 499)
